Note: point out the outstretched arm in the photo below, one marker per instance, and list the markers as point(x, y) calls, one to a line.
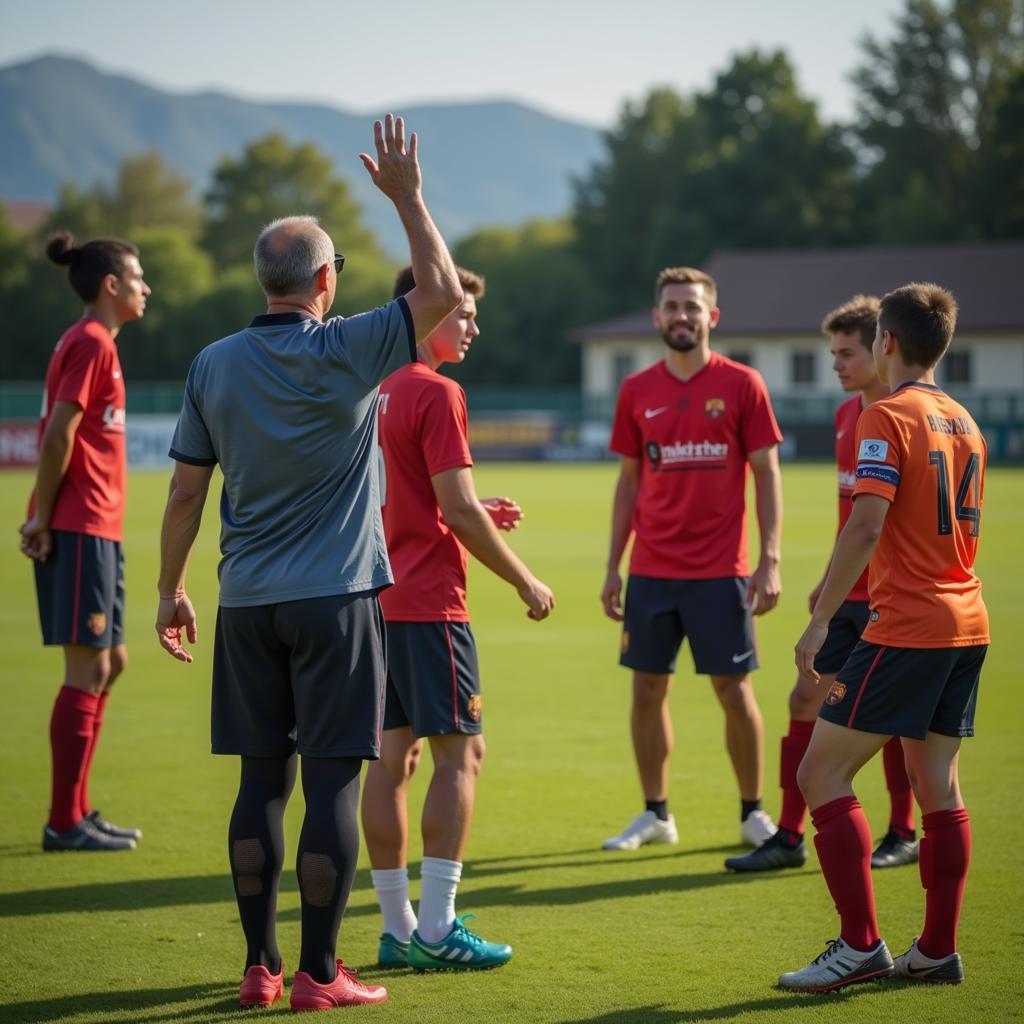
point(396, 172)
point(623, 505)
point(766, 582)
point(184, 513)
point(472, 524)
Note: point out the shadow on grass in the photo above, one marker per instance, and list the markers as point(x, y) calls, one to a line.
point(150, 893)
point(215, 1001)
point(788, 1003)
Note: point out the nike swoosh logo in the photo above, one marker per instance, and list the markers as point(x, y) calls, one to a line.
point(649, 414)
point(737, 658)
point(918, 970)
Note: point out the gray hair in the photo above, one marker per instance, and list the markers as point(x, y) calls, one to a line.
point(289, 252)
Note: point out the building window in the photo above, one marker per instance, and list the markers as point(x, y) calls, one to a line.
point(802, 367)
point(622, 367)
point(744, 357)
point(957, 368)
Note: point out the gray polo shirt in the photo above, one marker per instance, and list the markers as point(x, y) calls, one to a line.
point(287, 409)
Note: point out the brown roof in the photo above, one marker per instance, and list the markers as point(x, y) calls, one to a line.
point(26, 214)
point(788, 291)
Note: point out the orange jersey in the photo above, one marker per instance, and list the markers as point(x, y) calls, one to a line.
point(923, 453)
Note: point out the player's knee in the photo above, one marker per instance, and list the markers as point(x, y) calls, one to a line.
point(89, 672)
point(649, 691)
point(475, 751)
point(804, 705)
point(118, 663)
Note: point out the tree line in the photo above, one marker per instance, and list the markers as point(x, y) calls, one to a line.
point(935, 152)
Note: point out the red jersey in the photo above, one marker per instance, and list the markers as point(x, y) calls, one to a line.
point(84, 369)
point(846, 467)
point(692, 438)
point(423, 431)
point(922, 452)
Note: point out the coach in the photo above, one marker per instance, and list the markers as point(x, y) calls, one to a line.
point(286, 408)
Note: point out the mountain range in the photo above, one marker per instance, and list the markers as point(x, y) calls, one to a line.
point(484, 163)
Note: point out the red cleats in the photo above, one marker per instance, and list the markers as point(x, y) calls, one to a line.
point(308, 994)
point(260, 987)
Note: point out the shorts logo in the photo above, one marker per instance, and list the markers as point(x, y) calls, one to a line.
point(624, 646)
point(873, 451)
point(97, 624)
point(836, 693)
point(475, 707)
point(874, 616)
point(715, 407)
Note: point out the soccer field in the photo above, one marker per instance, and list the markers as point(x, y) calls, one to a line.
point(660, 935)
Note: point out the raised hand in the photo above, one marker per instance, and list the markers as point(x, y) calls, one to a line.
point(396, 171)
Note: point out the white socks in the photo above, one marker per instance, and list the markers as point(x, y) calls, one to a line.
point(392, 888)
point(439, 881)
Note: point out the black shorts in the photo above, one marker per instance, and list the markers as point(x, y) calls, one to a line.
point(80, 589)
point(907, 691)
point(306, 675)
point(844, 630)
point(713, 614)
point(433, 679)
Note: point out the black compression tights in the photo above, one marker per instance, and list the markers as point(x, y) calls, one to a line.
point(326, 862)
point(256, 852)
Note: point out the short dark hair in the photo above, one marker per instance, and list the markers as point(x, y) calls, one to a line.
point(859, 314)
point(685, 275)
point(90, 263)
point(922, 317)
point(472, 284)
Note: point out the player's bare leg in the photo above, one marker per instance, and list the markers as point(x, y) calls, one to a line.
point(744, 732)
point(932, 765)
point(86, 668)
point(651, 729)
point(386, 828)
point(448, 808)
point(651, 726)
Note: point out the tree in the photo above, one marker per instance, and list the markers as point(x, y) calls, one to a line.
point(747, 163)
point(275, 179)
point(1001, 182)
point(926, 103)
point(145, 194)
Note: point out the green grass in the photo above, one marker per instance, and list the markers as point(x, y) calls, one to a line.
point(662, 935)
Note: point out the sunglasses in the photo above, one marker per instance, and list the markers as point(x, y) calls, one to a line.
point(339, 262)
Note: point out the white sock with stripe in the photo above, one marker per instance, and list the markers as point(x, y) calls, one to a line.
point(439, 880)
point(392, 888)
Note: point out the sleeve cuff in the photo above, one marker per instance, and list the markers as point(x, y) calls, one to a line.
point(190, 460)
point(410, 327)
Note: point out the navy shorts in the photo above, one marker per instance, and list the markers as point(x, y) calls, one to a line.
point(433, 679)
point(712, 614)
point(844, 630)
point(306, 675)
point(907, 691)
point(80, 589)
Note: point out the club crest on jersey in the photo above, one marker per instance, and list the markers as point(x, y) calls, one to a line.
point(872, 450)
point(653, 453)
point(475, 707)
point(96, 624)
point(624, 646)
point(715, 407)
point(836, 693)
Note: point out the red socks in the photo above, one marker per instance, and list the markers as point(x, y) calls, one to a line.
point(794, 746)
point(945, 856)
point(71, 736)
point(901, 797)
point(843, 843)
point(97, 723)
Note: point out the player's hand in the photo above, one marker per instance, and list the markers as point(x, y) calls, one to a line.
point(807, 648)
point(36, 540)
point(173, 615)
point(764, 588)
point(812, 597)
point(611, 596)
point(538, 599)
point(396, 171)
point(504, 512)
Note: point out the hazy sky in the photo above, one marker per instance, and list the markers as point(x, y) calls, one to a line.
point(564, 56)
